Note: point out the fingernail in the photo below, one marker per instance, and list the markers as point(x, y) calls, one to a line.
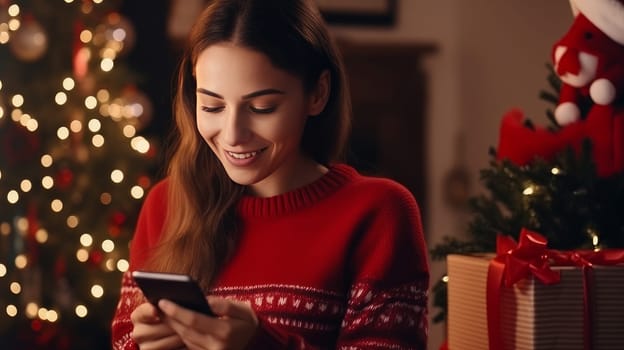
point(164, 305)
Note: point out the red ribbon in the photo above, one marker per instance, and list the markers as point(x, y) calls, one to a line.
point(531, 257)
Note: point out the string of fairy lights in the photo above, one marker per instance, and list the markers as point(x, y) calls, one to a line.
point(104, 105)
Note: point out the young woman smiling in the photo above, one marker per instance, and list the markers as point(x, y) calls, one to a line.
point(294, 249)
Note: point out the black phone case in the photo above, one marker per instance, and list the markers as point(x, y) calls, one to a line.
point(180, 289)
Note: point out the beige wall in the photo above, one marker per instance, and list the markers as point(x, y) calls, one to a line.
point(492, 57)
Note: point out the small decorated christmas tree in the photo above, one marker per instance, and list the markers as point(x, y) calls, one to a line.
point(73, 170)
point(565, 181)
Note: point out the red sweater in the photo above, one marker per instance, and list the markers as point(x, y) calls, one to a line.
point(339, 263)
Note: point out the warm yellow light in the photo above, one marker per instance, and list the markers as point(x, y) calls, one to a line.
point(82, 255)
point(13, 10)
point(16, 115)
point(12, 196)
point(81, 311)
point(26, 185)
point(1, 112)
point(75, 125)
point(86, 36)
point(62, 133)
point(31, 310)
point(117, 176)
point(60, 98)
point(137, 192)
point(103, 95)
point(41, 236)
point(52, 316)
point(97, 140)
point(3, 270)
point(22, 225)
point(68, 83)
point(15, 288)
point(97, 1)
point(72, 221)
point(123, 265)
point(14, 24)
point(555, 171)
point(69, 1)
point(5, 228)
point(94, 125)
point(47, 182)
point(46, 160)
point(21, 261)
point(42, 313)
point(106, 198)
point(108, 53)
point(32, 125)
point(17, 100)
point(4, 37)
point(86, 240)
point(11, 310)
point(129, 131)
point(140, 144)
point(97, 291)
point(108, 246)
point(528, 191)
point(110, 264)
point(56, 205)
point(90, 102)
point(107, 64)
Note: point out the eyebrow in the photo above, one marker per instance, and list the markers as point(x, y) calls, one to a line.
point(245, 97)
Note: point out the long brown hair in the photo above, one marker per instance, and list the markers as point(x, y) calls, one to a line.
point(200, 231)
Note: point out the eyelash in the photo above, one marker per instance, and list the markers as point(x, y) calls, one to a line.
point(251, 108)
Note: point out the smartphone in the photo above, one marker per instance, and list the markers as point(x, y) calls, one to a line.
point(180, 289)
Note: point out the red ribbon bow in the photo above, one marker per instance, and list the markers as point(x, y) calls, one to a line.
point(531, 257)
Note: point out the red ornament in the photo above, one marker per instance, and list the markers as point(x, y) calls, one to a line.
point(96, 257)
point(64, 178)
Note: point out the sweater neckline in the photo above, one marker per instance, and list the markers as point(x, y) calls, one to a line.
point(337, 175)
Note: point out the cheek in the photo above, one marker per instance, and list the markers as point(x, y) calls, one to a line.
point(205, 127)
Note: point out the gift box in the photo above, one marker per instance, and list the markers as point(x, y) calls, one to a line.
point(582, 309)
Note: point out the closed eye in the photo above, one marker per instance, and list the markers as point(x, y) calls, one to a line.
point(262, 110)
point(211, 109)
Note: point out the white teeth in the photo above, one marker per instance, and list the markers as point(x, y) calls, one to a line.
point(242, 155)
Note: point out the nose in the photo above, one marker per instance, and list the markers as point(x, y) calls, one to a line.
point(235, 129)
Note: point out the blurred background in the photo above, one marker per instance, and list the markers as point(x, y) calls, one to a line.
point(85, 110)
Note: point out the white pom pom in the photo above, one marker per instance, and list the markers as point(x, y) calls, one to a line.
point(602, 91)
point(567, 113)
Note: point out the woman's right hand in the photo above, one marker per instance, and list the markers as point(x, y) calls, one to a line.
point(150, 333)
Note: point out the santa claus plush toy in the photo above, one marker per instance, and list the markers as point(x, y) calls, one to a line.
point(589, 59)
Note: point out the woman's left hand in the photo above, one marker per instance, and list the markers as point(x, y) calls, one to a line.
point(233, 329)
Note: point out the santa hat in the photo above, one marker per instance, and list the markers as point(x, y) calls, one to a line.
point(607, 15)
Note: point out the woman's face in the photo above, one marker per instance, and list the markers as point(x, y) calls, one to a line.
point(252, 116)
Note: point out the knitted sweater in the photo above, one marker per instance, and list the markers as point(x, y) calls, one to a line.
point(339, 263)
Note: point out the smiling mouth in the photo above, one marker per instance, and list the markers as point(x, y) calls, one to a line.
point(245, 155)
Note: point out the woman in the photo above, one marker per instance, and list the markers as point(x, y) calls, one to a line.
point(293, 249)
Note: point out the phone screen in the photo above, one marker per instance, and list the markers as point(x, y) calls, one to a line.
point(180, 289)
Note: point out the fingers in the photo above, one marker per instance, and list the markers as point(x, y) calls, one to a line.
point(170, 342)
point(233, 309)
point(233, 329)
point(145, 313)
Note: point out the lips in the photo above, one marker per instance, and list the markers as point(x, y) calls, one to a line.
point(243, 158)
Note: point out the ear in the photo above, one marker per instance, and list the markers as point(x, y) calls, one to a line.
point(320, 94)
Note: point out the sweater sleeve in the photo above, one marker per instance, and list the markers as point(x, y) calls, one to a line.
point(387, 307)
point(147, 232)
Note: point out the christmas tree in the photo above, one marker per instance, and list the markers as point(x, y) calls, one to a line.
point(564, 181)
point(73, 170)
